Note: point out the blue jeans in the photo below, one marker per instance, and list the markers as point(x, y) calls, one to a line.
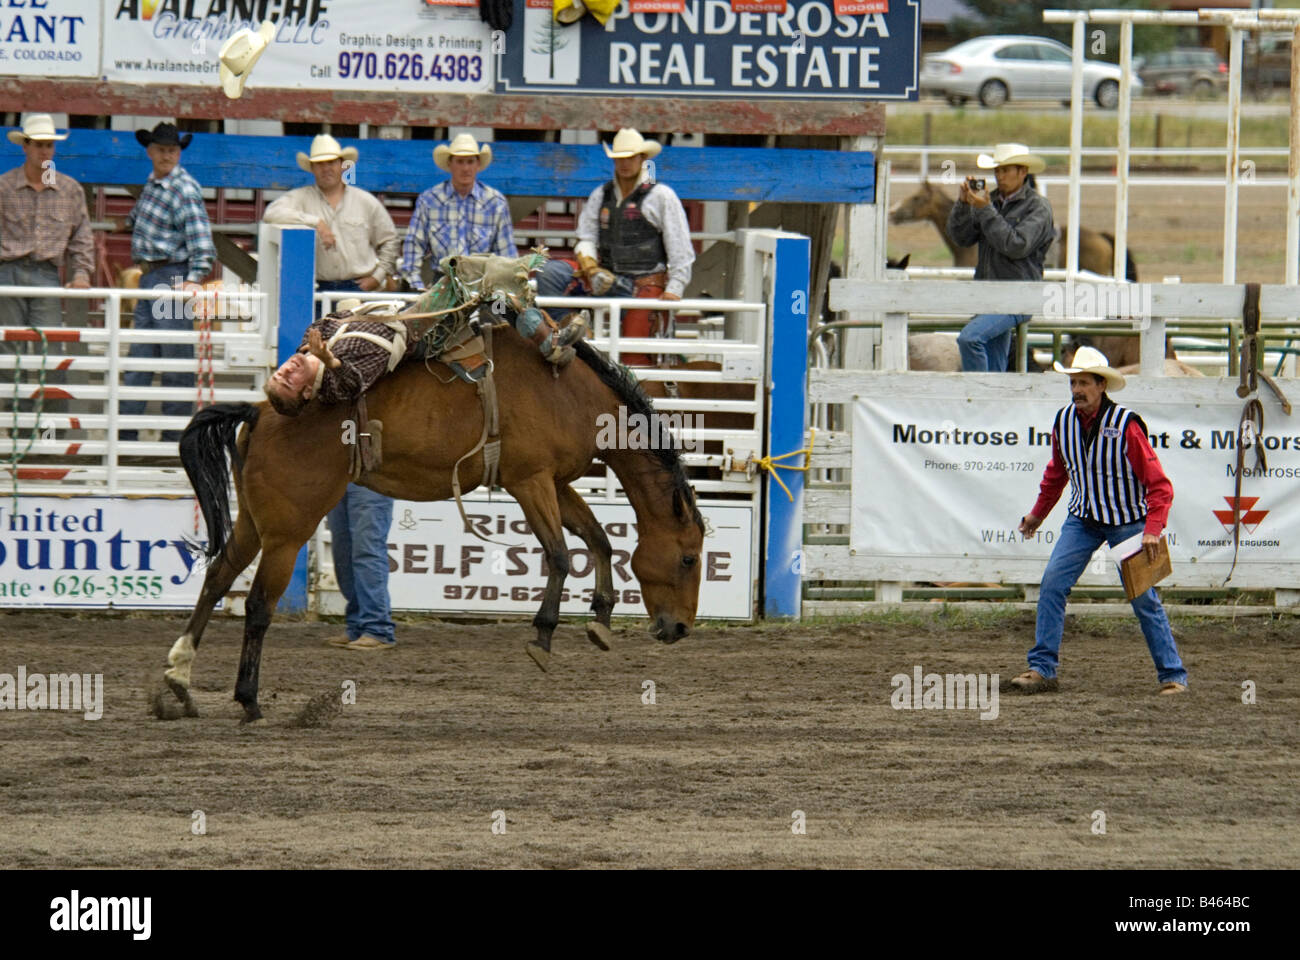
point(160, 315)
point(985, 341)
point(359, 544)
point(556, 277)
point(331, 286)
point(1078, 541)
point(33, 312)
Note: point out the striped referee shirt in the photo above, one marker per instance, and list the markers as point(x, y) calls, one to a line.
point(170, 222)
point(1103, 484)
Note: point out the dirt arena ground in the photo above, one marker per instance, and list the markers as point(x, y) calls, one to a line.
point(750, 724)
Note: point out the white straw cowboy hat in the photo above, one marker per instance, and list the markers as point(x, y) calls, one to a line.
point(324, 147)
point(36, 126)
point(1091, 360)
point(463, 145)
point(1011, 155)
point(628, 143)
point(240, 53)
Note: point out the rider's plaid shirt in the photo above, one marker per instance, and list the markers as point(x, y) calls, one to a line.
point(363, 361)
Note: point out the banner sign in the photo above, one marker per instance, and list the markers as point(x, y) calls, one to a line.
point(50, 38)
point(928, 484)
point(98, 552)
point(805, 52)
point(436, 566)
point(390, 45)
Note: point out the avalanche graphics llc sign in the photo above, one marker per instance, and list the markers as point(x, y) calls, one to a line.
point(709, 50)
point(389, 45)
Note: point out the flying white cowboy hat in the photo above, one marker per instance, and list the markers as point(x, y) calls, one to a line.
point(239, 54)
point(462, 145)
point(1091, 360)
point(36, 126)
point(325, 147)
point(628, 143)
point(1011, 155)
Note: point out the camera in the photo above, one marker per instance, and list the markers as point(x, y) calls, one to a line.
point(975, 183)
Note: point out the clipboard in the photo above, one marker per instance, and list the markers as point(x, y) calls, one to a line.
point(1140, 574)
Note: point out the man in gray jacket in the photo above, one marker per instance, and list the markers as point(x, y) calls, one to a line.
point(1014, 230)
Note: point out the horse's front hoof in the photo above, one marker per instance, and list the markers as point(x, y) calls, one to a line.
point(182, 693)
point(600, 635)
point(541, 656)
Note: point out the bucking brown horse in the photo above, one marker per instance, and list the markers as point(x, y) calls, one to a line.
point(289, 473)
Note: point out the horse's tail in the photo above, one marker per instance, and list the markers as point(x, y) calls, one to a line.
point(204, 445)
point(1130, 266)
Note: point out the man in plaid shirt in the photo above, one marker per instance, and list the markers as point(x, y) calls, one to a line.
point(459, 215)
point(171, 241)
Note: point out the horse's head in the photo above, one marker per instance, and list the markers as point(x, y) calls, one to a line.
point(921, 205)
point(667, 563)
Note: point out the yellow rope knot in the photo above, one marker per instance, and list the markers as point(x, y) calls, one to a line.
point(769, 462)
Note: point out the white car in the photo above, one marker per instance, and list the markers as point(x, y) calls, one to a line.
point(998, 69)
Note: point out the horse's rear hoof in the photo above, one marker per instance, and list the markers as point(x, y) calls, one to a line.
point(541, 656)
point(252, 717)
point(600, 635)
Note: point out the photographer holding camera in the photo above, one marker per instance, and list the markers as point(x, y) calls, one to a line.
point(1014, 230)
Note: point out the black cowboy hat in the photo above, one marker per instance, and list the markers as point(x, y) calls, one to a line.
point(164, 134)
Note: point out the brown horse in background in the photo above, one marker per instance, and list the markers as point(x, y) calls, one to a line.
point(290, 471)
point(1096, 254)
point(1096, 250)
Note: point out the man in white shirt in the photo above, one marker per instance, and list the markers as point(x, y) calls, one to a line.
point(356, 242)
point(633, 241)
point(356, 249)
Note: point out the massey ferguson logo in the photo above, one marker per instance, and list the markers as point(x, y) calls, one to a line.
point(1241, 507)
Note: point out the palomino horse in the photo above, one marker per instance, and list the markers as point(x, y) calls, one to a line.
point(289, 472)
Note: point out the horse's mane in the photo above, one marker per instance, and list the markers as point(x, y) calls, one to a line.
point(626, 388)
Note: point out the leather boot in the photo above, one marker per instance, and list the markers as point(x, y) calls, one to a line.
point(554, 343)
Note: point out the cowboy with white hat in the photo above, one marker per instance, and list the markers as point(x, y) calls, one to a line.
point(356, 241)
point(633, 241)
point(240, 53)
point(1118, 493)
point(1013, 227)
point(458, 216)
point(46, 225)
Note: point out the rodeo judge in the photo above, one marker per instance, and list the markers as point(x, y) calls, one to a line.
point(1117, 490)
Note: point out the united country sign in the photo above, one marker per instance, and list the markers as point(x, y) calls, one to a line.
point(807, 52)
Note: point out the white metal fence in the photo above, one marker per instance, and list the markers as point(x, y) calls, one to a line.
point(75, 448)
